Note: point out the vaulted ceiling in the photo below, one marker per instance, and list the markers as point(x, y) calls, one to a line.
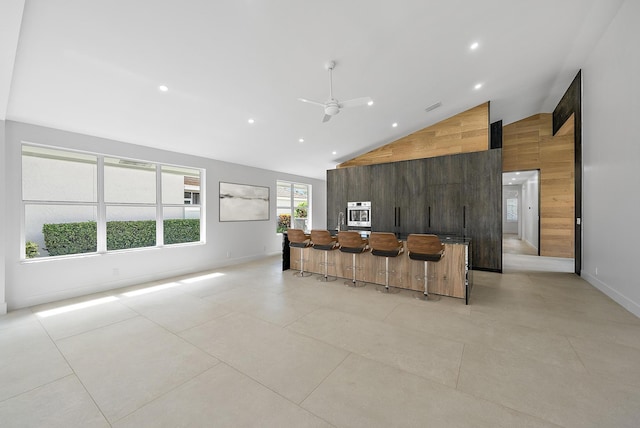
point(95, 67)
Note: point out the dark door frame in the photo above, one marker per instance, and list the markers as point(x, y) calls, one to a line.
point(571, 103)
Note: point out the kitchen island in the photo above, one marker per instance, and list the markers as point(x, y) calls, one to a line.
point(451, 276)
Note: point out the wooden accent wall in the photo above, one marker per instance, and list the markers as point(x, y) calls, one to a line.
point(463, 133)
point(529, 144)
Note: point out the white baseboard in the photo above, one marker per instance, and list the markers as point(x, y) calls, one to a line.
point(622, 300)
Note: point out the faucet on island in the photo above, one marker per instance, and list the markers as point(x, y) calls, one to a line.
point(340, 221)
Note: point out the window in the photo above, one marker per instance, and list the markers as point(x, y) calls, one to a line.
point(512, 209)
point(76, 203)
point(293, 206)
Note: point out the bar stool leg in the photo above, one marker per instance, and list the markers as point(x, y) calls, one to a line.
point(354, 281)
point(386, 273)
point(425, 295)
point(325, 277)
point(353, 266)
point(387, 288)
point(302, 273)
point(426, 279)
point(326, 266)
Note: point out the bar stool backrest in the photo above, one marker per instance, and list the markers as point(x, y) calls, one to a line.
point(321, 237)
point(351, 240)
point(384, 241)
point(297, 236)
point(424, 244)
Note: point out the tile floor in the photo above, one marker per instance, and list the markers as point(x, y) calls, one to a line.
point(511, 244)
point(250, 345)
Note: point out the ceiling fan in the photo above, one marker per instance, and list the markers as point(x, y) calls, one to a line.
point(333, 106)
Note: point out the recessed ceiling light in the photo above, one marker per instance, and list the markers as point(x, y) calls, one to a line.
point(251, 121)
point(334, 153)
point(474, 46)
point(301, 140)
point(478, 86)
point(394, 124)
point(370, 103)
point(517, 173)
point(163, 88)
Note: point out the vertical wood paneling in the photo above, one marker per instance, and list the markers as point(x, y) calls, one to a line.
point(527, 145)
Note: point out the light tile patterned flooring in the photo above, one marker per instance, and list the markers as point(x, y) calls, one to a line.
point(255, 346)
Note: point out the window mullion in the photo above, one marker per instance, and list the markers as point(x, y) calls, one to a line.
point(102, 209)
point(159, 211)
point(291, 209)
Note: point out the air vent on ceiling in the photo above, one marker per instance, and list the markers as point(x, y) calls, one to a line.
point(433, 106)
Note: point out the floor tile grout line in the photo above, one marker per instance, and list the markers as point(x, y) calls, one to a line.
point(324, 379)
point(180, 385)
point(49, 382)
point(122, 321)
point(93, 400)
point(430, 379)
point(137, 314)
point(236, 369)
point(464, 346)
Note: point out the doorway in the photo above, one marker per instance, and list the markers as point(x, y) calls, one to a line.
point(521, 212)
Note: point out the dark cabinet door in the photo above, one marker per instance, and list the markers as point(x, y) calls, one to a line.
point(384, 211)
point(336, 196)
point(359, 188)
point(482, 203)
point(445, 209)
point(443, 194)
point(412, 199)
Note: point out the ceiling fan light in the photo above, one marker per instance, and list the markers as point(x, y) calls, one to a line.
point(332, 110)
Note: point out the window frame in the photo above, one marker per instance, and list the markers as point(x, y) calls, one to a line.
point(100, 205)
point(292, 206)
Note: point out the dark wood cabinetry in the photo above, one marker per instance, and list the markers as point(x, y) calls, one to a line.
point(344, 185)
point(412, 198)
point(337, 184)
point(449, 195)
point(383, 191)
point(359, 184)
point(446, 209)
point(483, 202)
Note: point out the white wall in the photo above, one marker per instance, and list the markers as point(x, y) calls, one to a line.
point(3, 180)
point(34, 282)
point(611, 154)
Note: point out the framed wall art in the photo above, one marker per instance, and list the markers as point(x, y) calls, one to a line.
point(243, 202)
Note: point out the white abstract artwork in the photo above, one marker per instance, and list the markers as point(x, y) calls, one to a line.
point(243, 202)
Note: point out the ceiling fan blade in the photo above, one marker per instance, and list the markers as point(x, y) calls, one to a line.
point(304, 100)
point(356, 102)
point(326, 118)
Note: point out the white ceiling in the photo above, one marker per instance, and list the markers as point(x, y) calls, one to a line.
point(95, 66)
point(517, 178)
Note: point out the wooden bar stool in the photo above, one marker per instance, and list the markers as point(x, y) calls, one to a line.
point(299, 239)
point(425, 248)
point(352, 243)
point(323, 241)
point(385, 244)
